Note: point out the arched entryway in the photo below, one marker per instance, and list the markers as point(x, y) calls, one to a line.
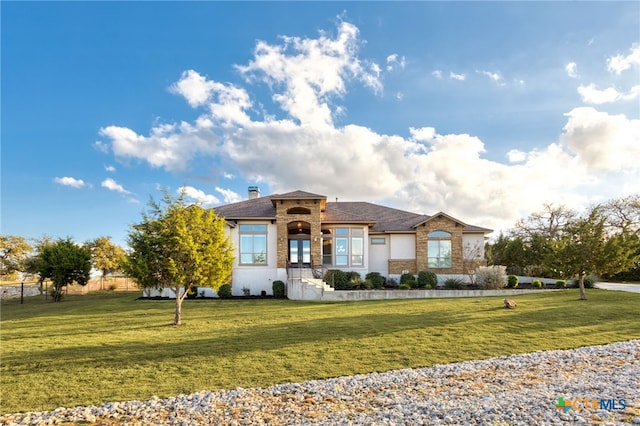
point(299, 244)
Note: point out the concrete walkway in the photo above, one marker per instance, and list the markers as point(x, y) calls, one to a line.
point(633, 288)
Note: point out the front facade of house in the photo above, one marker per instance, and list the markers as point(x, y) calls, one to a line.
point(277, 234)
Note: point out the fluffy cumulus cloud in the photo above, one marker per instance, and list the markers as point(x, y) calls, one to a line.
point(198, 196)
point(70, 181)
point(112, 185)
point(619, 63)
point(602, 141)
point(209, 200)
point(592, 95)
point(572, 69)
point(424, 171)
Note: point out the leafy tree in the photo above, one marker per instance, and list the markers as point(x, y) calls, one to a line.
point(64, 262)
point(13, 252)
point(585, 247)
point(179, 246)
point(106, 256)
point(623, 217)
point(32, 264)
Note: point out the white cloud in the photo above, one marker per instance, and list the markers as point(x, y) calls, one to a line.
point(425, 172)
point(454, 76)
point(572, 69)
point(492, 75)
point(619, 63)
point(394, 61)
point(112, 185)
point(228, 195)
point(590, 94)
point(167, 146)
point(305, 73)
point(602, 141)
point(437, 74)
point(110, 169)
point(206, 200)
point(516, 156)
point(70, 181)
point(227, 175)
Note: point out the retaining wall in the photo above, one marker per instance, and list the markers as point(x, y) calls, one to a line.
point(303, 290)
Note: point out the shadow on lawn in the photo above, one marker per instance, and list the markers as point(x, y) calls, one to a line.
point(250, 339)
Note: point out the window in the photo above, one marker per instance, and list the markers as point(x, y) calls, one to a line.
point(377, 240)
point(439, 250)
point(348, 244)
point(253, 244)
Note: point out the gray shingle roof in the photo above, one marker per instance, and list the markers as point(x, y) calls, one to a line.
point(382, 219)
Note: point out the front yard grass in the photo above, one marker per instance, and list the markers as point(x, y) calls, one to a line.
point(106, 347)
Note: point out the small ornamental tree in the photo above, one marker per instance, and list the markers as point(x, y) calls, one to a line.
point(64, 262)
point(106, 256)
point(179, 246)
point(13, 253)
point(587, 247)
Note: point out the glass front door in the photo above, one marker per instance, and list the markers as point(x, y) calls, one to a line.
point(300, 252)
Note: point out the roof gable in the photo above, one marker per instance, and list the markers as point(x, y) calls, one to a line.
point(379, 218)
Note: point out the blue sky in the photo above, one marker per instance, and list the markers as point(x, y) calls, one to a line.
point(484, 110)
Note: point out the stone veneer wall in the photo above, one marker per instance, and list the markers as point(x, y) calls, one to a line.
point(396, 266)
point(283, 219)
point(440, 223)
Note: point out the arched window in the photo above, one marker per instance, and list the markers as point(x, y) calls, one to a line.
point(439, 249)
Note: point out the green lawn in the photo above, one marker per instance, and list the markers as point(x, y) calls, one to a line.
point(111, 347)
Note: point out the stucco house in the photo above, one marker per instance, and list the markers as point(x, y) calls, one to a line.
point(280, 233)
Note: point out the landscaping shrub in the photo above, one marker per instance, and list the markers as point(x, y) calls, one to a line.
point(409, 279)
point(536, 284)
point(377, 280)
point(224, 292)
point(246, 291)
point(561, 284)
point(427, 279)
point(590, 281)
point(404, 286)
point(337, 278)
point(491, 277)
point(360, 284)
point(512, 281)
point(454, 284)
point(352, 276)
point(278, 289)
point(391, 283)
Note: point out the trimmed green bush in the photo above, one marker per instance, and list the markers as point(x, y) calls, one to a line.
point(337, 278)
point(427, 279)
point(406, 277)
point(377, 280)
point(404, 286)
point(224, 292)
point(454, 284)
point(536, 284)
point(512, 281)
point(391, 283)
point(278, 289)
point(561, 284)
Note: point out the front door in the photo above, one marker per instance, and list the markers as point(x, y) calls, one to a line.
point(300, 252)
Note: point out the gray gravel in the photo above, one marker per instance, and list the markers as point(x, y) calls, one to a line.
point(508, 390)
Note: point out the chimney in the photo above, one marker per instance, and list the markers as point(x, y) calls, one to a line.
point(254, 192)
